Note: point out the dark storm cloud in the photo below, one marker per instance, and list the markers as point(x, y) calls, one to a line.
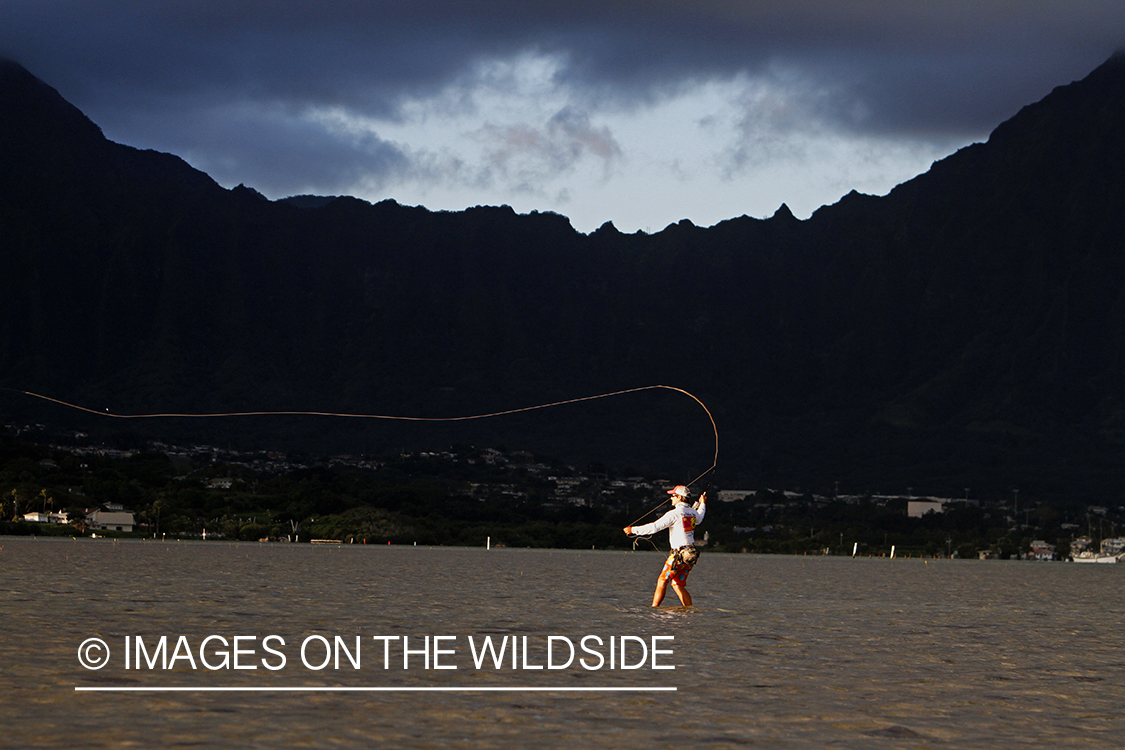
point(936, 64)
point(259, 147)
point(229, 81)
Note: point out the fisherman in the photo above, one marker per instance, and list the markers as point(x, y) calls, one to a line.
point(680, 522)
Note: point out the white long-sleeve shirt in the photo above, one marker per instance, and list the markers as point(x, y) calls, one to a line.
point(680, 522)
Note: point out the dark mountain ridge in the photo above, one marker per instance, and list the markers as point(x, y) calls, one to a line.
point(966, 330)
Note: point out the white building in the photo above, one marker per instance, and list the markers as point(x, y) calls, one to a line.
point(919, 508)
point(1113, 546)
point(53, 517)
point(113, 517)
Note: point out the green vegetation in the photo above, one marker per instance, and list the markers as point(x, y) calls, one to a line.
point(466, 495)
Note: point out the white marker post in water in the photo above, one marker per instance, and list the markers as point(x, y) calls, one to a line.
point(854, 548)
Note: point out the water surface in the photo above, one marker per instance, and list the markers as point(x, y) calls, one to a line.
point(777, 651)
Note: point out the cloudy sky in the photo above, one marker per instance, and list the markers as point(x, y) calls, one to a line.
point(640, 112)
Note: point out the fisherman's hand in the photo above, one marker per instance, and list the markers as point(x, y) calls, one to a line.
point(703, 498)
point(628, 529)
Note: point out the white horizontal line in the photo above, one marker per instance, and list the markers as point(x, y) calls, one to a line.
point(125, 689)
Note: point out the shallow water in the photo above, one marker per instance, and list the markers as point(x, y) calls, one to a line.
point(777, 651)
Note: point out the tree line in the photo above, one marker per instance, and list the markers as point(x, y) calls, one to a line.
point(458, 499)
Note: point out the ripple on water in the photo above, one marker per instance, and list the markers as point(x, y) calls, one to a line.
point(778, 651)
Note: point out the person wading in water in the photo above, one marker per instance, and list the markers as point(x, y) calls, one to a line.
point(680, 522)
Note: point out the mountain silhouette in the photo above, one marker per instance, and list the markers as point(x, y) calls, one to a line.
point(965, 330)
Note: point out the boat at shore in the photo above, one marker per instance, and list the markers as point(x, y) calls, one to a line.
point(1112, 550)
point(1096, 557)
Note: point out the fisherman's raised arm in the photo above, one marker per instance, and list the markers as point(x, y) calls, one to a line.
point(701, 507)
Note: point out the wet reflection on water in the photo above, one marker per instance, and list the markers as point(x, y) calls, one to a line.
point(778, 651)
